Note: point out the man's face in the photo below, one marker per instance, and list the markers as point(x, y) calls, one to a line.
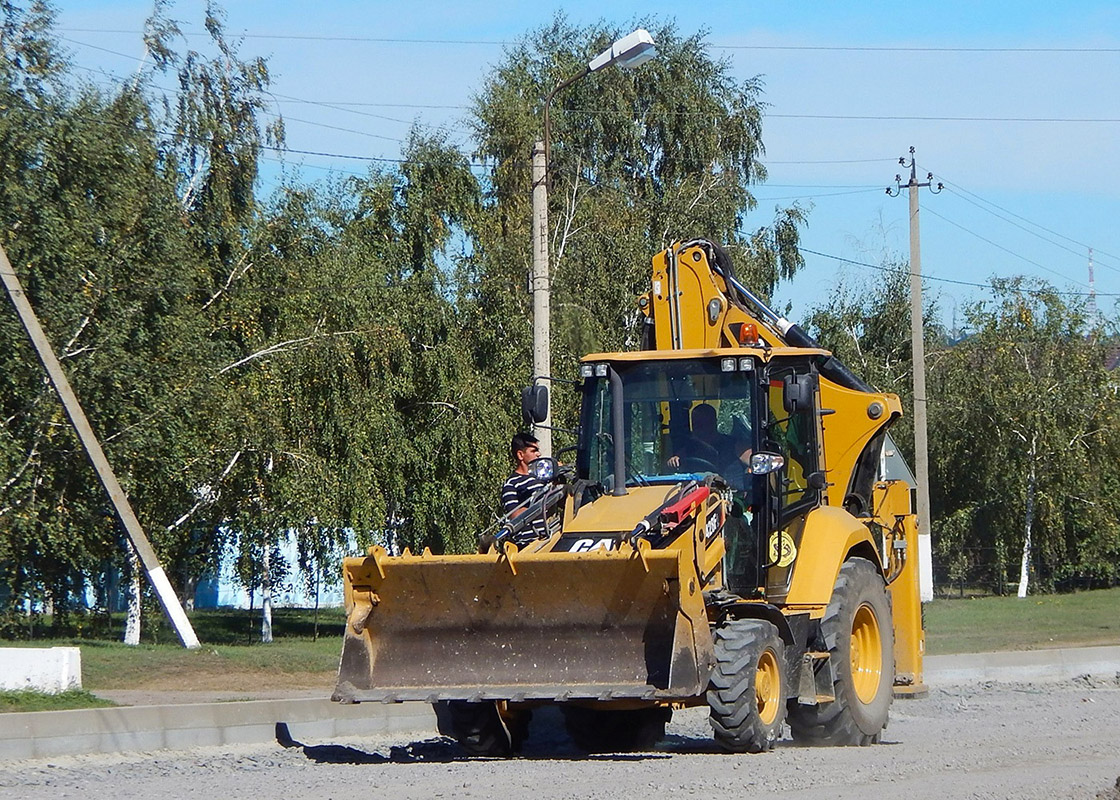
point(530, 453)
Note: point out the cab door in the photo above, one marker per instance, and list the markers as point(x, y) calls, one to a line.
point(792, 429)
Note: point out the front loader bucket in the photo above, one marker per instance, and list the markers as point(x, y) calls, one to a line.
point(523, 626)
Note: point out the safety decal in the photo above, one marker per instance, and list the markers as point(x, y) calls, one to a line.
point(713, 523)
point(782, 549)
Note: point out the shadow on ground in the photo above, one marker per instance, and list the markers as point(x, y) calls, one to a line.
point(547, 740)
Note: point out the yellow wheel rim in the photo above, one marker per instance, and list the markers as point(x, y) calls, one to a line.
point(768, 687)
point(867, 654)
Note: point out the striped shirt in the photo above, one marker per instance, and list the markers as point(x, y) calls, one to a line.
point(517, 489)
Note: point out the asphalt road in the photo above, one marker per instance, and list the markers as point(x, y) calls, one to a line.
point(981, 740)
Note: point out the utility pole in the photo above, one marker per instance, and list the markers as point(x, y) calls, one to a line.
point(542, 359)
point(918, 352)
point(136, 535)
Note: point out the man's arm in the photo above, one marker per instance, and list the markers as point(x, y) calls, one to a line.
point(509, 496)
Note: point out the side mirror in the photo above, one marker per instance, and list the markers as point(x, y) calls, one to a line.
point(765, 463)
point(797, 393)
point(534, 404)
point(543, 469)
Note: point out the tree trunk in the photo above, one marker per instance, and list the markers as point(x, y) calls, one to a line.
point(266, 599)
point(315, 635)
point(190, 586)
point(132, 622)
point(1025, 565)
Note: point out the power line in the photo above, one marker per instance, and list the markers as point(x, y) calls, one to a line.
point(1026, 229)
point(337, 128)
point(910, 49)
point(1004, 249)
point(835, 161)
point(826, 117)
point(953, 281)
point(714, 45)
point(960, 191)
point(381, 159)
point(876, 190)
point(928, 118)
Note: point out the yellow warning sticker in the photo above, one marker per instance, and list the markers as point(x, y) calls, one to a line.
point(782, 549)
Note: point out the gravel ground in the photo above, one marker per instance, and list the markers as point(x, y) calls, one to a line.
point(1019, 741)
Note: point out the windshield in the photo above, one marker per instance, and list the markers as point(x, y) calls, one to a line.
point(680, 417)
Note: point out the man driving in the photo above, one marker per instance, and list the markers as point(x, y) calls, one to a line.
point(705, 443)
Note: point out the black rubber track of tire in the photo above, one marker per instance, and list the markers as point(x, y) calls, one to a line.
point(477, 727)
point(832, 724)
point(731, 691)
point(613, 731)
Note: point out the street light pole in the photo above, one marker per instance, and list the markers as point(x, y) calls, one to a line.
point(542, 325)
point(628, 52)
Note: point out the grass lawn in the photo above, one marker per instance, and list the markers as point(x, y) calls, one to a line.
point(1033, 623)
point(231, 658)
point(27, 700)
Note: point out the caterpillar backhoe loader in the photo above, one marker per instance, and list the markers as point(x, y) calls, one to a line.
point(767, 569)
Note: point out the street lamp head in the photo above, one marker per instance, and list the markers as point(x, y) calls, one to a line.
point(628, 52)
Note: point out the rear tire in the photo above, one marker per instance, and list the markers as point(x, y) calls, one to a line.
point(477, 727)
point(598, 730)
point(747, 688)
point(859, 634)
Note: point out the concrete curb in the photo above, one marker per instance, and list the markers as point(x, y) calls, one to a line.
point(45, 734)
point(1023, 665)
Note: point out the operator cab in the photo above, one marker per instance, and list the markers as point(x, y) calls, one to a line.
point(748, 424)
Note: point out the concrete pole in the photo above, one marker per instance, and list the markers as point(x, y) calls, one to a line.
point(156, 576)
point(542, 360)
point(917, 341)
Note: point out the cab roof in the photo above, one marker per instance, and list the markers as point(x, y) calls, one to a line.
point(763, 353)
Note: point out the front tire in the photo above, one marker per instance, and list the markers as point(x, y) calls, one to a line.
point(747, 688)
point(858, 631)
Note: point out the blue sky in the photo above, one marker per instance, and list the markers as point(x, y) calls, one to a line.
point(1016, 108)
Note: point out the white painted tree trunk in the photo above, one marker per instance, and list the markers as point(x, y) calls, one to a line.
point(266, 600)
point(132, 622)
point(1025, 565)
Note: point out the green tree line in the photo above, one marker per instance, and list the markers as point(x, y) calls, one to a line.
point(1024, 427)
point(342, 358)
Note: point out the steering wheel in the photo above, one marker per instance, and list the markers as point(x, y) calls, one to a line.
point(695, 464)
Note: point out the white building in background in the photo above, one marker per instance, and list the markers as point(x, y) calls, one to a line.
point(224, 590)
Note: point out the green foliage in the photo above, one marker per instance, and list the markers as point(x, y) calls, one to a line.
point(638, 160)
point(1026, 409)
point(1022, 428)
point(340, 360)
point(29, 700)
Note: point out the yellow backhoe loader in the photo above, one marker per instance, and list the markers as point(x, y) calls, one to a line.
point(736, 531)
